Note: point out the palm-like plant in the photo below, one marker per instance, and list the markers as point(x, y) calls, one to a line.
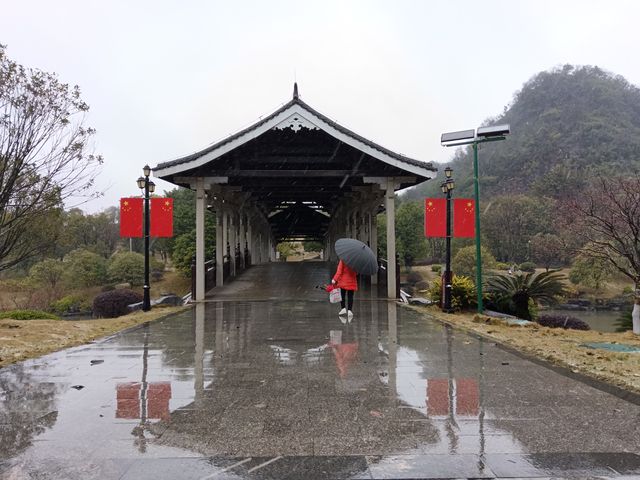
point(520, 288)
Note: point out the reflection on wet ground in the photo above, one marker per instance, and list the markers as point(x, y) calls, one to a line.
point(284, 389)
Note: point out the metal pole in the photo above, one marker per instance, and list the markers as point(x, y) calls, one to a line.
point(447, 272)
point(146, 300)
point(478, 252)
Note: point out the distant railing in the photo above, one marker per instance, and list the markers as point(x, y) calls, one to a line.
point(382, 275)
point(209, 275)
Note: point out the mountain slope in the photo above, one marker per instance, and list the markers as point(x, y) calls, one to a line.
point(567, 124)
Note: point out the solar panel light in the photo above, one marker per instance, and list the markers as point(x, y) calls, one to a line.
point(494, 131)
point(457, 136)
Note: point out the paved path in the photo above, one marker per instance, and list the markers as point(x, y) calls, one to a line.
point(277, 389)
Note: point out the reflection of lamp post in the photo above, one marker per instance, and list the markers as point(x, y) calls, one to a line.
point(447, 188)
point(474, 137)
point(149, 187)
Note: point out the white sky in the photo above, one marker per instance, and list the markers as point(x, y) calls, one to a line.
point(167, 78)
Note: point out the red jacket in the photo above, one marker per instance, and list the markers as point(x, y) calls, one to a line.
point(345, 277)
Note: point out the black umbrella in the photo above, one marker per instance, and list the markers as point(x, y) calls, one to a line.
point(357, 255)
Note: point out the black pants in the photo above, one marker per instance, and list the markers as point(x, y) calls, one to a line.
point(349, 298)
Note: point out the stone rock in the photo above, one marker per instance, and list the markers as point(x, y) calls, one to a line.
point(419, 301)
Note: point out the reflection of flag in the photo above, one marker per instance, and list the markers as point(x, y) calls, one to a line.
point(130, 217)
point(437, 396)
point(129, 400)
point(465, 397)
point(463, 218)
point(435, 217)
point(158, 396)
point(345, 354)
point(161, 217)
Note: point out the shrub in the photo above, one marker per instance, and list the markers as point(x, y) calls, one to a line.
point(528, 267)
point(84, 268)
point(562, 321)
point(114, 303)
point(463, 292)
point(28, 315)
point(502, 266)
point(512, 293)
point(422, 285)
point(128, 267)
point(464, 262)
point(436, 268)
point(413, 278)
point(70, 303)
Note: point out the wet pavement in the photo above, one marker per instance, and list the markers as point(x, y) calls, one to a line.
point(282, 388)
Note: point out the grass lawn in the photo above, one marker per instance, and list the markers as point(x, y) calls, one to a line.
point(23, 339)
point(558, 346)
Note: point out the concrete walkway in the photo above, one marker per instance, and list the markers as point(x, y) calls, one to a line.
point(282, 388)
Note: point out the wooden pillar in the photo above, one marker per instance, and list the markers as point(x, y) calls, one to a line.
point(373, 235)
point(200, 207)
point(233, 222)
point(242, 237)
point(220, 245)
point(389, 198)
point(250, 237)
point(225, 230)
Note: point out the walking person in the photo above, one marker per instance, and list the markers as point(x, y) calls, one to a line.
point(347, 280)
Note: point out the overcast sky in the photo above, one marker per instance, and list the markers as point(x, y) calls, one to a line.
point(167, 78)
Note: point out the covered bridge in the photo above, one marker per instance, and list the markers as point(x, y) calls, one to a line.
point(294, 175)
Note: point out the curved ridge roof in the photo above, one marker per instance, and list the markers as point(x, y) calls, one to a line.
point(295, 105)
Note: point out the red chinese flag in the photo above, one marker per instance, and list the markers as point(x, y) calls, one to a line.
point(131, 217)
point(464, 218)
point(435, 217)
point(161, 217)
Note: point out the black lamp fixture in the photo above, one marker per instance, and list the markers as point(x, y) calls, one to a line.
point(447, 188)
point(148, 187)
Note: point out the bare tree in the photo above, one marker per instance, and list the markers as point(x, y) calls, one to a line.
point(607, 217)
point(44, 157)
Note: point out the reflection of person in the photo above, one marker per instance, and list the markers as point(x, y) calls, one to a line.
point(346, 280)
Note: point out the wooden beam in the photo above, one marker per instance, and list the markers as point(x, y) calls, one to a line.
point(287, 173)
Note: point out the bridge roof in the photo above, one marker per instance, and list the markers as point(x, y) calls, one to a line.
point(296, 156)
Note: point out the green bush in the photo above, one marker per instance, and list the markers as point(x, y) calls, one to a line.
point(463, 292)
point(528, 267)
point(436, 268)
point(464, 262)
point(114, 303)
point(128, 267)
point(84, 269)
point(502, 266)
point(28, 315)
point(70, 303)
point(184, 249)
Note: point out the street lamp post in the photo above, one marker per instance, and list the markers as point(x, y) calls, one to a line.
point(148, 187)
point(447, 188)
point(474, 137)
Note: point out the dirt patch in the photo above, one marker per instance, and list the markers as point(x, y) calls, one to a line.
point(558, 346)
point(23, 339)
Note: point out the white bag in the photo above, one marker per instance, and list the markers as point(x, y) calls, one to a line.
point(335, 296)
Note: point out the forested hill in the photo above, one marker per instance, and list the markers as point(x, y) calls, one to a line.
point(567, 124)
